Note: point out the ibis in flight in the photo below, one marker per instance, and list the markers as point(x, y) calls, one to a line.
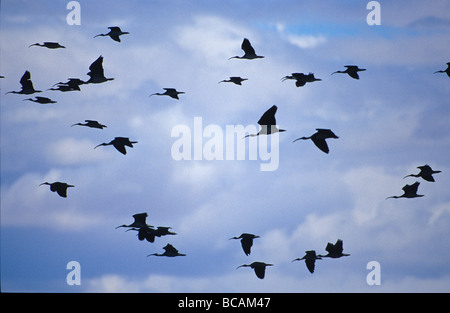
point(447, 70)
point(49, 45)
point(310, 259)
point(258, 267)
point(171, 92)
point(267, 123)
point(149, 233)
point(27, 85)
point(73, 84)
point(301, 79)
point(169, 251)
point(114, 33)
point(351, 70)
point(319, 138)
point(58, 187)
point(96, 73)
point(139, 221)
point(249, 52)
point(409, 191)
point(246, 241)
point(234, 79)
point(119, 143)
point(91, 124)
point(426, 172)
point(334, 250)
point(41, 100)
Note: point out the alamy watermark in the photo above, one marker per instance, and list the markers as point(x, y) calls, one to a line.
point(214, 142)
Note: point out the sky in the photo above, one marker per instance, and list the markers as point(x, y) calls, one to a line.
point(391, 120)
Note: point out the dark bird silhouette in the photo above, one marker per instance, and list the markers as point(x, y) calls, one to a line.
point(318, 138)
point(258, 267)
point(96, 74)
point(249, 52)
point(73, 84)
point(49, 45)
point(41, 100)
point(447, 70)
point(140, 220)
point(114, 33)
point(409, 191)
point(246, 241)
point(268, 123)
point(234, 79)
point(27, 85)
point(59, 188)
point(301, 79)
point(334, 250)
point(171, 92)
point(352, 71)
point(310, 260)
point(119, 143)
point(150, 233)
point(169, 251)
point(426, 172)
point(92, 124)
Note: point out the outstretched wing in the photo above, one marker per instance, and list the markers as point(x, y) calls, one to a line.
point(268, 118)
point(247, 47)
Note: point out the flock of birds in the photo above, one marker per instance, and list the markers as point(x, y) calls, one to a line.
point(268, 127)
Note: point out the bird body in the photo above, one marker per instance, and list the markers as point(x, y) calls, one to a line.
point(246, 241)
point(351, 70)
point(426, 172)
point(409, 191)
point(310, 259)
point(119, 143)
point(114, 32)
point(139, 221)
point(319, 137)
point(49, 45)
point(169, 251)
point(334, 250)
point(268, 123)
point(58, 187)
point(41, 100)
point(171, 92)
point(447, 70)
point(234, 79)
point(258, 267)
point(249, 51)
point(91, 124)
point(96, 74)
point(301, 79)
point(27, 85)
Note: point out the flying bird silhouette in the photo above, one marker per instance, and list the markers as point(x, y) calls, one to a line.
point(139, 221)
point(41, 100)
point(92, 124)
point(352, 71)
point(49, 45)
point(409, 191)
point(249, 52)
point(58, 187)
point(73, 84)
point(96, 74)
point(171, 92)
point(301, 79)
point(258, 267)
point(169, 251)
point(310, 259)
point(319, 138)
point(246, 241)
point(150, 233)
point(27, 85)
point(334, 250)
point(234, 79)
point(119, 143)
point(267, 123)
point(114, 32)
point(426, 172)
point(447, 70)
